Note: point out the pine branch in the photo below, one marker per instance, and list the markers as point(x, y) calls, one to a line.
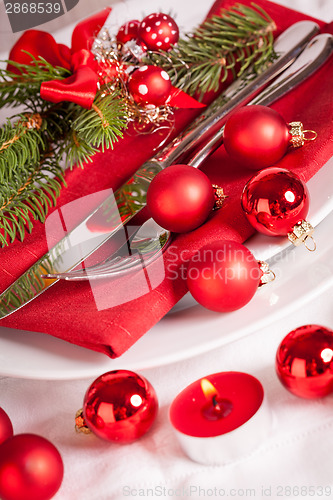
point(27, 197)
point(18, 89)
point(231, 43)
point(96, 128)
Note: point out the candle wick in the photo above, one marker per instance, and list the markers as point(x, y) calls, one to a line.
point(216, 403)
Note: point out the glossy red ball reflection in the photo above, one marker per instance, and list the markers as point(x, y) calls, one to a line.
point(223, 276)
point(120, 406)
point(304, 361)
point(31, 468)
point(6, 428)
point(180, 198)
point(275, 200)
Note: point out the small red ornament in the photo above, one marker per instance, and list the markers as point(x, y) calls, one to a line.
point(31, 468)
point(150, 85)
point(6, 428)
point(276, 202)
point(120, 406)
point(128, 31)
point(257, 137)
point(180, 198)
point(304, 361)
point(158, 32)
point(223, 276)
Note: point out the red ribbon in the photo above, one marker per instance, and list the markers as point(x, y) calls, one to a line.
point(82, 85)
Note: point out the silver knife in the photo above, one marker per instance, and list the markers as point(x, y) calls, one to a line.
point(118, 208)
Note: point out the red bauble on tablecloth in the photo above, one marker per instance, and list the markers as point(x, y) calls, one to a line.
point(31, 468)
point(6, 428)
point(120, 406)
point(304, 361)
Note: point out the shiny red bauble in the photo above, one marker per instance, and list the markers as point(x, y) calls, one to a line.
point(304, 361)
point(128, 31)
point(223, 276)
point(256, 137)
point(275, 200)
point(150, 85)
point(31, 468)
point(158, 32)
point(120, 406)
point(180, 198)
point(6, 428)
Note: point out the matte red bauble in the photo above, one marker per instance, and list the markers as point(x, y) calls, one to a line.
point(6, 428)
point(223, 276)
point(150, 85)
point(304, 361)
point(31, 468)
point(276, 203)
point(180, 198)
point(128, 31)
point(158, 32)
point(256, 136)
point(120, 406)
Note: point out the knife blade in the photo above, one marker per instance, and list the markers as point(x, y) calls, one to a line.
point(117, 210)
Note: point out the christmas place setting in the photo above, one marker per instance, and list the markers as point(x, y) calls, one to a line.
point(166, 275)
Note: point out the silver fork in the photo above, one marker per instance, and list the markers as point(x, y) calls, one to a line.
point(151, 240)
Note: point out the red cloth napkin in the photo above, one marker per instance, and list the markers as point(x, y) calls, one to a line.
point(110, 316)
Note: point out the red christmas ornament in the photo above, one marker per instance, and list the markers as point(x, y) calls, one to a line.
point(120, 406)
point(150, 85)
point(158, 32)
point(257, 136)
point(223, 276)
point(6, 428)
point(180, 198)
point(31, 468)
point(276, 202)
point(304, 361)
point(128, 31)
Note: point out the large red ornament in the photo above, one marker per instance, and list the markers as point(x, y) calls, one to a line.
point(150, 85)
point(276, 203)
point(256, 136)
point(31, 468)
point(120, 406)
point(158, 32)
point(304, 361)
point(180, 198)
point(128, 31)
point(223, 276)
point(6, 428)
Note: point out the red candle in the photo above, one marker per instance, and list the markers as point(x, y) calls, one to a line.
point(220, 417)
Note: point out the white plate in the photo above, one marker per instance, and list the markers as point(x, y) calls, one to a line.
point(188, 329)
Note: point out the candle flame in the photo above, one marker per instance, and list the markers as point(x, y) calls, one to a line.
point(207, 388)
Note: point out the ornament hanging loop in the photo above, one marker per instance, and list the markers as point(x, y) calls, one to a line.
point(309, 135)
point(313, 244)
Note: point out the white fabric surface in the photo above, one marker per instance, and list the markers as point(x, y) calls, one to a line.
point(297, 452)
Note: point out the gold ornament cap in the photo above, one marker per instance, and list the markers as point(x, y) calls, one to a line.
point(80, 423)
point(298, 136)
point(302, 233)
point(219, 196)
point(267, 274)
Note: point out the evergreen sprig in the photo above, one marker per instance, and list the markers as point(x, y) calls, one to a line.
point(241, 36)
point(16, 89)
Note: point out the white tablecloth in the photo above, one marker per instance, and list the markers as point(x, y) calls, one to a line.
point(294, 461)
